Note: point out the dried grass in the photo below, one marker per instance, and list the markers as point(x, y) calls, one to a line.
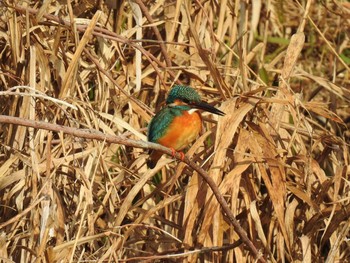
point(280, 156)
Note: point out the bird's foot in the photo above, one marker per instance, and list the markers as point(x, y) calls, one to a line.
point(173, 152)
point(182, 156)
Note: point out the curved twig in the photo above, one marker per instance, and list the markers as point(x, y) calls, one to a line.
point(99, 31)
point(156, 32)
point(97, 135)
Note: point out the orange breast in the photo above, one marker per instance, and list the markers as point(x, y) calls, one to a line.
point(183, 130)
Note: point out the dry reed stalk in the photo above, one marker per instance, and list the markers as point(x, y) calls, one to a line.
point(76, 98)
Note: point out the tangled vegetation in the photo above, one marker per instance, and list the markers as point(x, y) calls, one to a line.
point(72, 72)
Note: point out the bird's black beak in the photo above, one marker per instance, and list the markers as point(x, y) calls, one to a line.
point(207, 107)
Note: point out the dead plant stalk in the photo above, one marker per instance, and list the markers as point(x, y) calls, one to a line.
point(96, 135)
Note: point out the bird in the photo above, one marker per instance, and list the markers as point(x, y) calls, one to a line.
point(179, 122)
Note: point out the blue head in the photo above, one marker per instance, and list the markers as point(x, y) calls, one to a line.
point(184, 95)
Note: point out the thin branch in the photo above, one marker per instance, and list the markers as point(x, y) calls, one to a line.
point(97, 135)
point(23, 213)
point(156, 31)
point(190, 251)
point(102, 32)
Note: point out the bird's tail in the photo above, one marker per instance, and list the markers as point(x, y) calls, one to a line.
point(153, 158)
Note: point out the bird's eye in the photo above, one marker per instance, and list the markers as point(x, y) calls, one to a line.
point(186, 101)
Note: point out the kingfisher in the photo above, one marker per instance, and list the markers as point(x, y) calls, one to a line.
point(179, 122)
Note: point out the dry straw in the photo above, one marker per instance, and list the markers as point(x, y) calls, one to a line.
point(80, 81)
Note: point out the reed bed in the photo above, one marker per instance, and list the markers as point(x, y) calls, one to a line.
point(80, 81)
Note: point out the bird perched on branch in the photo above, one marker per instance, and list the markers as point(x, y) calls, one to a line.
point(179, 123)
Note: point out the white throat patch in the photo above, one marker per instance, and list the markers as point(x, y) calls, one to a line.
point(192, 111)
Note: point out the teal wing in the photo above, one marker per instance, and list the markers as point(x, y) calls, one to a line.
point(159, 124)
point(158, 127)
